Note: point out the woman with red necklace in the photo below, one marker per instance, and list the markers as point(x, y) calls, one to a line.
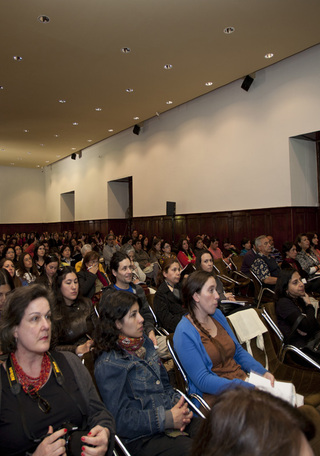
point(43, 393)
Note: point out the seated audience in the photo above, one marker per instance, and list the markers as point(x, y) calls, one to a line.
point(314, 241)
point(77, 317)
point(248, 259)
point(245, 246)
point(145, 244)
point(9, 253)
point(109, 249)
point(306, 258)
point(274, 252)
point(6, 286)
point(138, 275)
point(45, 391)
point(198, 245)
point(91, 279)
point(265, 266)
point(155, 251)
point(246, 422)
point(38, 257)
point(18, 252)
point(166, 252)
point(295, 313)
point(229, 249)
point(185, 254)
point(9, 266)
point(66, 256)
point(167, 300)
point(209, 352)
point(26, 270)
point(214, 248)
point(134, 384)
point(141, 256)
point(48, 276)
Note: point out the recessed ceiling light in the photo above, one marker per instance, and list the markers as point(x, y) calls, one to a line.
point(268, 56)
point(73, 148)
point(56, 136)
point(209, 83)
point(228, 30)
point(26, 131)
point(126, 50)
point(1, 87)
point(136, 118)
point(168, 66)
point(89, 140)
point(129, 90)
point(75, 123)
point(44, 19)
point(169, 102)
point(62, 101)
point(98, 109)
point(110, 130)
point(17, 58)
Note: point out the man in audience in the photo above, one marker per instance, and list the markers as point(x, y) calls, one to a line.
point(109, 249)
point(141, 255)
point(248, 259)
point(274, 252)
point(265, 266)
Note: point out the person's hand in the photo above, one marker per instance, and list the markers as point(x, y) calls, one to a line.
point(99, 438)
point(84, 348)
point(53, 444)
point(230, 296)
point(181, 415)
point(306, 299)
point(94, 269)
point(270, 377)
point(152, 336)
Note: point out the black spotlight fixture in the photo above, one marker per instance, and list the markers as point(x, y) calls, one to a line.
point(248, 80)
point(73, 156)
point(136, 129)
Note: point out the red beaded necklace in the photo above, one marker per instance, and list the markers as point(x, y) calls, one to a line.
point(31, 384)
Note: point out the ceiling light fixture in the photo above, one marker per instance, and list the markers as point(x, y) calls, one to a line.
point(168, 66)
point(44, 19)
point(26, 131)
point(268, 56)
point(209, 83)
point(169, 102)
point(126, 50)
point(56, 136)
point(17, 58)
point(1, 87)
point(75, 123)
point(98, 109)
point(136, 118)
point(62, 101)
point(228, 30)
point(110, 130)
point(129, 90)
point(73, 148)
point(89, 140)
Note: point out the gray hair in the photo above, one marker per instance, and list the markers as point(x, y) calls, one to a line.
point(85, 249)
point(258, 240)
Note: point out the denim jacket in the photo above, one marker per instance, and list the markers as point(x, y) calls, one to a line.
point(137, 391)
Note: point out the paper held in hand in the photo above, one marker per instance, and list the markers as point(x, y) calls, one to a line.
point(284, 390)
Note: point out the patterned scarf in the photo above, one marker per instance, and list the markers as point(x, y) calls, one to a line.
point(133, 345)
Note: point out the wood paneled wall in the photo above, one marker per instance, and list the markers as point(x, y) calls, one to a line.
point(283, 223)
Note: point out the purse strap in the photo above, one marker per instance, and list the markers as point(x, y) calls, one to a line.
point(295, 326)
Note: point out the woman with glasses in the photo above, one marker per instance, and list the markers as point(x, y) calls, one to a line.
point(45, 392)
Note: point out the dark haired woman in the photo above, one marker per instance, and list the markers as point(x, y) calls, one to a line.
point(10, 267)
point(155, 251)
point(9, 253)
point(134, 383)
point(66, 255)
point(18, 252)
point(91, 279)
point(307, 259)
point(6, 286)
point(245, 246)
point(214, 248)
point(167, 300)
point(166, 252)
point(45, 390)
point(26, 270)
point(185, 254)
point(207, 348)
point(38, 257)
point(77, 315)
point(295, 313)
point(234, 427)
point(198, 245)
point(49, 274)
point(314, 241)
point(145, 243)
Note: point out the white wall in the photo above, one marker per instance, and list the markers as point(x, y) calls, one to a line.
point(22, 195)
point(227, 150)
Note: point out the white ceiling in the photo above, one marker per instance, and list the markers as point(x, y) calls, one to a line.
point(77, 57)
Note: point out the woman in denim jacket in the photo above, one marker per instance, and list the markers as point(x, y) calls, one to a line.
point(150, 416)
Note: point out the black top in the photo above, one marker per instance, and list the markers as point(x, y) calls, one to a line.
point(168, 307)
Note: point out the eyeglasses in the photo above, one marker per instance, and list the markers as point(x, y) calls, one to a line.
point(43, 404)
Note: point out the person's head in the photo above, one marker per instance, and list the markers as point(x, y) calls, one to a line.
point(67, 285)
point(289, 250)
point(170, 272)
point(121, 269)
point(313, 239)
point(119, 315)
point(183, 245)
point(200, 294)
point(290, 284)
point(66, 252)
point(129, 250)
point(26, 320)
point(9, 266)
point(145, 243)
point(263, 245)
point(90, 259)
point(134, 234)
point(9, 253)
point(214, 243)
point(51, 264)
point(39, 251)
point(2, 246)
point(245, 244)
point(165, 248)
point(198, 243)
point(18, 251)
point(302, 242)
point(270, 240)
point(251, 422)
point(25, 263)
point(86, 248)
point(110, 240)
point(137, 244)
point(6, 286)
point(204, 261)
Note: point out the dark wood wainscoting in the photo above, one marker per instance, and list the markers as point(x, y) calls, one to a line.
point(283, 223)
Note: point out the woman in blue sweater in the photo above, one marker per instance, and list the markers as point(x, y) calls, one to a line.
point(205, 344)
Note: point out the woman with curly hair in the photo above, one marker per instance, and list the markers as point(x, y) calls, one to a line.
point(26, 270)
